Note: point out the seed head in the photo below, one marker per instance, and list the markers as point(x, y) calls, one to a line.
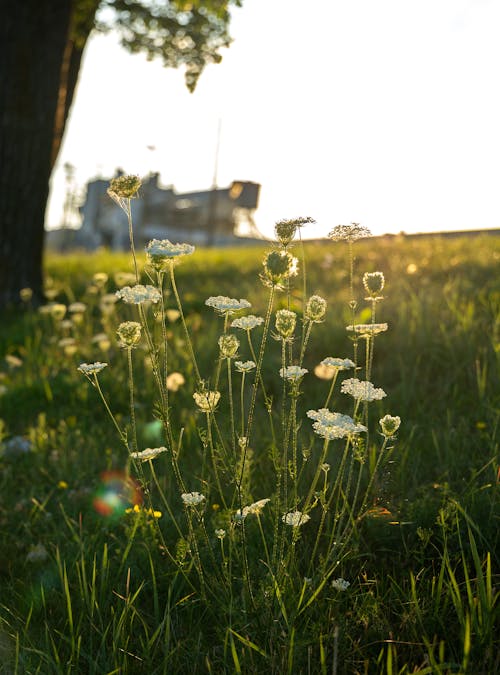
point(349, 232)
point(285, 323)
point(389, 425)
point(278, 266)
point(128, 334)
point(124, 187)
point(315, 309)
point(374, 283)
point(228, 345)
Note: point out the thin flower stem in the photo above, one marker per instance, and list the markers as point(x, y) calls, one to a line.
point(332, 386)
point(305, 341)
point(231, 405)
point(242, 403)
point(122, 434)
point(374, 475)
point(259, 369)
point(131, 394)
point(186, 332)
point(317, 474)
point(214, 459)
point(219, 361)
point(128, 211)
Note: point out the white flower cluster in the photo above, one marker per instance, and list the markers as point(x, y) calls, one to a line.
point(331, 425)
point(367, 330)
point(337, 363)
point(225, 305)
point(244, 366)
point(293, 373)
point(91, 368)
point(340, 584)
point(247, 322)
point(254, 509)
point(206, 400)
point(295, 518)
point(361, 390)
point(163, 248)
point(147, 454)
point(192, 498)
point(135, 295)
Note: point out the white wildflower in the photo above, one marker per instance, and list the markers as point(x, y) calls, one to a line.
point(247, 322)
point(361, 390)
point(148, 453)
point(206, 400)
point(295, 518)
point(225, 305)
point(337, 363)
point(254, 509)
point(134, 295)
point(175, 381)
point(293, 373)
point(192, 498)
point(244, 366)
point(340, 584)
point(367, 330)
point(331, 425)
point(91, 368)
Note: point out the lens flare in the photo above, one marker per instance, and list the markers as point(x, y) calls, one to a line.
point(116, 493)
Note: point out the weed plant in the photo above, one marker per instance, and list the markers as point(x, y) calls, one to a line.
point(198, 484)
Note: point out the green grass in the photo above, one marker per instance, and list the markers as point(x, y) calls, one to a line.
point(423, 565)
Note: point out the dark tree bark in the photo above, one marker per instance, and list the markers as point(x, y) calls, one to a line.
point(33, 39)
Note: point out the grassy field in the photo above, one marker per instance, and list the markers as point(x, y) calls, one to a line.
point(104, 568)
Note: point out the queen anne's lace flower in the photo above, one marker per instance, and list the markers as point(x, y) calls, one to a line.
point(293, 373)
point(91, 368)
point(340, 584)
point(192, 498)
point(285, 323)
point(147, 454)
point(244, 366)
point(367, 330)
point(361, 390)
point(134, 295)
point(254, 509)
point(349, 232)
point(175, 381)
point(206, 400)
point(128, 334)
point(390, 424)
point(339, 364)
point(331, 425)
point(161, 253)
point(228, 345)
point(315, 309)
point(247, 322)
point(295, 518)
point(374, 283)
point(225, 305)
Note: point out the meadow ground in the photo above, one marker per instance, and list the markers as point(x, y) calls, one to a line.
point(105, 568)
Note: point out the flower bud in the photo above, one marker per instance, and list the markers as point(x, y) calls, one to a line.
point(228, 345)
point(285, 323)
point(128, 334)
point(373, 283)
point(389, 425)
point(315, 309)
point(125, 186)
point(278, 265)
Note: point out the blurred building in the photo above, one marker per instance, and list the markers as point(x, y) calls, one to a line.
point(215, 217)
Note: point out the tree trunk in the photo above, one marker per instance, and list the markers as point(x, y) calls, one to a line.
point(33, 38)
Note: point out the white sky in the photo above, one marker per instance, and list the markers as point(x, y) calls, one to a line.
point(383, 112)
